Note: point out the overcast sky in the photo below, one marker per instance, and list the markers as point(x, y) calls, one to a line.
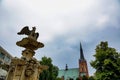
point(62, 25)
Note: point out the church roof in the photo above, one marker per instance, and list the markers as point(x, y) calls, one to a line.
point(70, 73)
point(81, 53)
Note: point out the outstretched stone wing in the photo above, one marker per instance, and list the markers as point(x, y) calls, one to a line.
point(37, 35)
point(25, 30)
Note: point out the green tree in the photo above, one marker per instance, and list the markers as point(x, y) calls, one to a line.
point(106, 63)
point(51, 73)
point(91, 78)
point(58, 78)
point(84, 78)
point(77, 78)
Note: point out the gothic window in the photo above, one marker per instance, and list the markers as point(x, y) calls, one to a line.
point(85, 69)
point(82, 68)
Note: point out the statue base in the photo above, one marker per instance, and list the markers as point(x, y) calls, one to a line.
point(22, 69)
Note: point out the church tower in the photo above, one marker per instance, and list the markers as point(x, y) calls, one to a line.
point(83, 69)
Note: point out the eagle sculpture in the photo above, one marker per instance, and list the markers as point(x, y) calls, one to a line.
point(30, 33)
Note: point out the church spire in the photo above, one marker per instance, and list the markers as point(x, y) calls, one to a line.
point(83, 69)
point(81, 53)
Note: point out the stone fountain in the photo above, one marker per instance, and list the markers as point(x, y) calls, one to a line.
point(27, 67)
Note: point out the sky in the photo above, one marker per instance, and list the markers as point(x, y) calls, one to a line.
point(62, 25)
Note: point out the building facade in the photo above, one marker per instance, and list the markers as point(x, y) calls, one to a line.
point(5, 59)
point(75, 73)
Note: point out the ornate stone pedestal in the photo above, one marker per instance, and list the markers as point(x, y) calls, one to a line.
point(26, 67)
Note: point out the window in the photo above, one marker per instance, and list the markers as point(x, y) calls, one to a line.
point(0, 62)
point(2, 55)
point(7, 59)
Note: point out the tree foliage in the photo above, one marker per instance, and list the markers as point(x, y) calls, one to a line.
point(58, 78)
point(91, 78)
point(84, 78)
point(106, 63)
point(51, 73)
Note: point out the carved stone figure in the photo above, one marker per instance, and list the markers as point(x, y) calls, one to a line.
point(30, 33)
point(30, 66)
point(26, 67)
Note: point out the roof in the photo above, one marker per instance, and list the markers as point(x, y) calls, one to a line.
point(70, 73)
point(81, 53)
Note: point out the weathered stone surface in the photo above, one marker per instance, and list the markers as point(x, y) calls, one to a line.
point(26, 67)
point(23, 69)
point(28, 54)
point(30, 43)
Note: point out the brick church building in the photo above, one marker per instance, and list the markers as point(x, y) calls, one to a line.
point(75, 73)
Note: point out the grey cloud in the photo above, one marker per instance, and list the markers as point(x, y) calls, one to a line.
point(61, 28)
